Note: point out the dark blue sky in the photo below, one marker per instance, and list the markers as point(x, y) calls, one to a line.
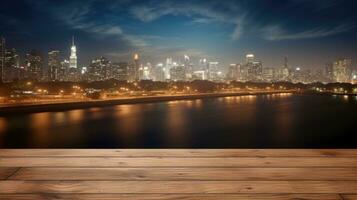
point(309, 32)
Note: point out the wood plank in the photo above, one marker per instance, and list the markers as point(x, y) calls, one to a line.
point(178, 152)
point(5, 172)
point(186, 174)
point(170, 196)
point(349, 196)
point(179, 187)
point(178, 162)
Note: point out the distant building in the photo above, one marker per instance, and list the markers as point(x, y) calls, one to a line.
point(2, 57)
point(62, 73)
point(34, 64)
point(199, 75)
point(168, 66)
point(99, 69)
point(120, 71)
point(329, 72)
point(54, 65)
point(251, 70)
point(136, 66)
point(159, 72)
point(73, 56)
point(145, 72)
point(233, 72)
point(11, 65)
point(188, 67)
point(212, 71)
point(342, 70)
point(249, 58)
point(268, 74)
point(178, 73)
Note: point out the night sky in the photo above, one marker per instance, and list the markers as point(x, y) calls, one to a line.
point(309, 32)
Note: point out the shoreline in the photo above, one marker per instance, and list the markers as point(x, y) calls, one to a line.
point(64, 106)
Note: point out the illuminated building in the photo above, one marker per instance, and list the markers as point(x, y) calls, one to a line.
point(283, 73)
point(199, 75)
point(73, 74)
point(54, 65)
point(11, 65)
point(252, 70)
point(268, 74)
point(329, 72)
point(73, 56)
point(120, 71)
point(249, 58)
point(342, 70)
point(34, 64)
point(159, 72)
point(99, 69)
point(233, 71)
point(136, 67)
point(178, 73)
point(168, 67)
point(62, 72)
point(188, 67)
point(212, 70)
point(2, 57)
point(145, 72)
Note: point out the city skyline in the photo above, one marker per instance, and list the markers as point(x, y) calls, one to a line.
point(58, 67)
point(219, 31)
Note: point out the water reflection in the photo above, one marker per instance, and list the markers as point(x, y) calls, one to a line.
point(76, 115)
point(176, 120)
point(251, 121)
point(128, 119)
point(40, 124)
point(3, 125)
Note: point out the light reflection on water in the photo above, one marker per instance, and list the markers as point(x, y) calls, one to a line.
point(253, 121)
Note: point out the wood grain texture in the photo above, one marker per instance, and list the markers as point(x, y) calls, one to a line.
point(178, 162)
point(178, 174)
point(171, 197)
point(256, 174)
point(349, 197)
point(178, 153)
point(179, 187)
point(5, 172)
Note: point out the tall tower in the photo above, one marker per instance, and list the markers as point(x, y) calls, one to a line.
point(54, 65)
point(2, 57)
point(286, 64)
point(73, 57)
point(136, 67)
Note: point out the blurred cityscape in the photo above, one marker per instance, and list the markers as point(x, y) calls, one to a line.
point(33, 67)
point(36, 74)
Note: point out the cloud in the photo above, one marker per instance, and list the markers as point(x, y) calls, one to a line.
point(207, 13)
point(276, 32)
point(79, 16)
point(239, 28)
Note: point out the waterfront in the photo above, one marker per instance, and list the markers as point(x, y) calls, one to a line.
point(251, 121)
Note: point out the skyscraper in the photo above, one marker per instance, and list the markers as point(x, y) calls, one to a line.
point(168, 67)
point(253, 69)
point(98, 69)
point(136, 67)
point(120, 71)
point(34, 63)
point(54, 65)
point(11, 65)
point(286, 64)
point(342, 70)
point(249, 58)
point(73, 72)
point(2, 57)
point(73, 57)
point(188, 67)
